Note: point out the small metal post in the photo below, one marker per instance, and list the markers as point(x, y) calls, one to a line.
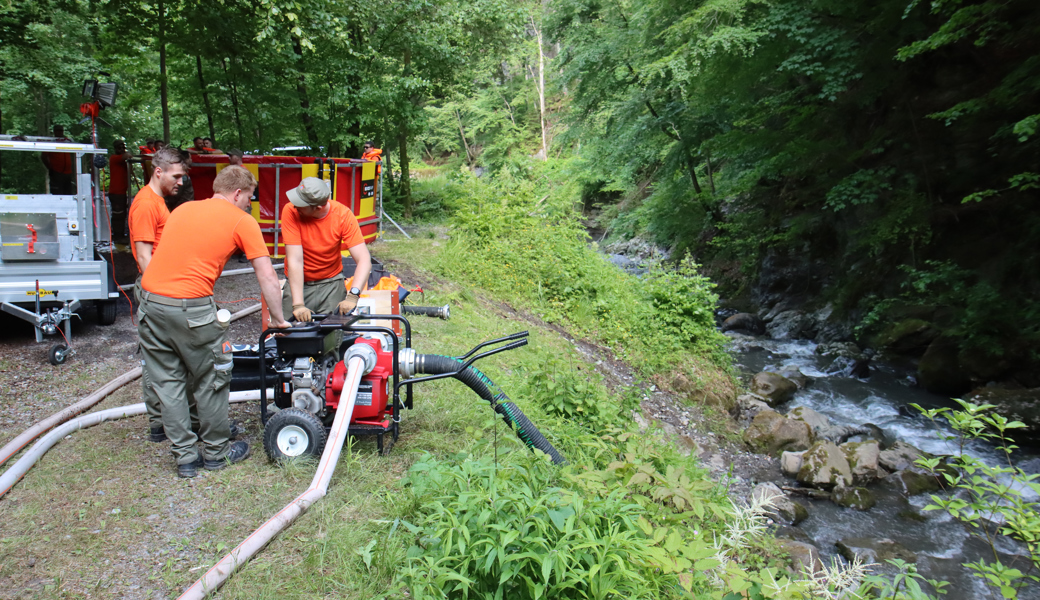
point(277, 201)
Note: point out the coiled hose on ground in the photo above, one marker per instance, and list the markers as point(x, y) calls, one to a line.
point(435, 364)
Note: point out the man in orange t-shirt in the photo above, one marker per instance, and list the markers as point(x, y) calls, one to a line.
point(118, 183)
point(183, 338)
point(315, 231)
point(148, 212)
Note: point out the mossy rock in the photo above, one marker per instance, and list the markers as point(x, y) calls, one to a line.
point(824, 466)
point(772, 433)
point(774, 388)
point(907, 337)
point(854, 497)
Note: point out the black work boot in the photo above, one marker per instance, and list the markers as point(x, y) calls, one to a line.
point(157, 434)
point(191, 469)
point(237, 452)
point(237, 429)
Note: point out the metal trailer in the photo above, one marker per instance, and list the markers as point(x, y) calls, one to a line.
point(48, 264)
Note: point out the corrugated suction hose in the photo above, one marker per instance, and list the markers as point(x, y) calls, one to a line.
point(435, 364)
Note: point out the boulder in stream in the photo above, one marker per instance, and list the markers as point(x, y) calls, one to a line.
point(783, 509)
point(912, 481)
point(744, 322)
point(863, 460)
point(939, 370)
point(907, 337)
point(771, 433)
point(795, 375)
point(899, 456)
point(1016, 405)
point(813, 419)
point(854, 497)
point(825, 467)
point(790, 325)
point(791, 463)
point(873, 550)
point(749, 405)
point(774, 388)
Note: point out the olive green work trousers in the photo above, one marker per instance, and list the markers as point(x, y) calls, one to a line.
point(186, 352)
point(148, 395)
point(322, 296)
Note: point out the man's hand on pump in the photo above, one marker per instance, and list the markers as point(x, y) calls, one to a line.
point(301, 312)
point(350, 303)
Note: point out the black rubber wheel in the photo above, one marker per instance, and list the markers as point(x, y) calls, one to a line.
point(294, 432)
point(527, 432)
point(106, 311)
point(58, 354)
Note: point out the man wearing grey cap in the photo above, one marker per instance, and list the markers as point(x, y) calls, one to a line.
point(315, 231)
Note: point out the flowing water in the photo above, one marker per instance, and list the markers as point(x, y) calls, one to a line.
point(941, 544)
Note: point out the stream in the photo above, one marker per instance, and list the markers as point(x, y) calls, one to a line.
point(941, 544)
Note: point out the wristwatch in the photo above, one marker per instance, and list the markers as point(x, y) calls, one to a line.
point(354, 291)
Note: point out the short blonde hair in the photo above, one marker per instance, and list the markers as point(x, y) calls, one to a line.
point(233, 178)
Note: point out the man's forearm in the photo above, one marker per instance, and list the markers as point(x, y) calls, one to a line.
point(268, 281)
point(144, 254)
point(363, 260)
point(294, 273)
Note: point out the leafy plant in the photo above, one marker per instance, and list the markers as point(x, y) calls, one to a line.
point(992, 499)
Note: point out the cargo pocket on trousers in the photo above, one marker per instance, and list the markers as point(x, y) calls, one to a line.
point(222, 365)
point(204, 329)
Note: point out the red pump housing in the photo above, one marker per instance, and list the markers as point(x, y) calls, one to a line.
point(373, 399)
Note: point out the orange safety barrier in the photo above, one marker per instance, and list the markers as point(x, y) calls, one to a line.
point(353, 184)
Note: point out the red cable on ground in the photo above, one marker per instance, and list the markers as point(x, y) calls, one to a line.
point(111, 245)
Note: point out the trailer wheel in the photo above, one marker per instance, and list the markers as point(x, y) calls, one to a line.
point(294, 432)
point(58, 354)
point(106, 311)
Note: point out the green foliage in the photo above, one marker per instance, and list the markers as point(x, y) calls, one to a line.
point(976, 311)
point(1001, 494)
point(904, 585)
point(528, 244)
point(493, 531)
point(573, 393)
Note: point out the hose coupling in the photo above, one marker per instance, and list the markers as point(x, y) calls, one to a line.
point(364, 352)
point(407, 365)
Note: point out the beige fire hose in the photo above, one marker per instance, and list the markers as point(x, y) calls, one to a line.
point(23, 439)
point(219, 573)
point(12, 475)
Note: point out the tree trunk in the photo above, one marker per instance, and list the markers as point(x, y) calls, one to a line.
point(462, 132)
point(388, 170)
point(540, 83)
point(711, 176)
point(164, 98)
point(405, 189)
point(693, 175)
point(301, 89)
point(205, 97)
point(234, 101)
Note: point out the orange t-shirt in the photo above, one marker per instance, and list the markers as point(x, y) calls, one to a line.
point(200, 238)
point(147, 217)
point(117, 180)
point(322, 239)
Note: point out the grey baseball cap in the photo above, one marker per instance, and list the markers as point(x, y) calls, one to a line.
point(311, 192)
